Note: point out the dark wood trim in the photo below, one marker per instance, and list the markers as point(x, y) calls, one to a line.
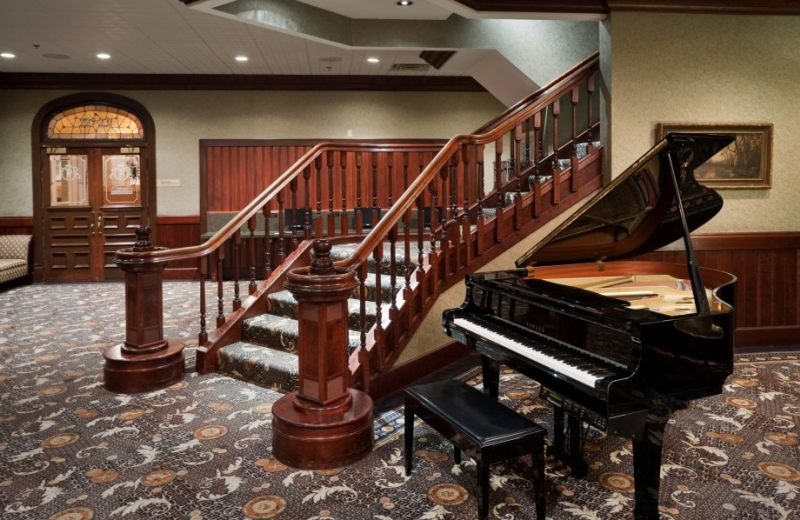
point(769, 7)
point(768, 336)
point(746, 241)
point(31, 81)
point(39, 140)
point(436, 58)
point(16, 225)
point(412, 370)
point(171, 220)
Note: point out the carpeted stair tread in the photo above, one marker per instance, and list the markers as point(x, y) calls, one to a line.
point(280, 333)
point(282, 303)
point(265, 367)
point(344, 251)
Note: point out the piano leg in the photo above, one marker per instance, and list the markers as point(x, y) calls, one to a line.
point(647, 466)
point(491, 377)
point(567, 445)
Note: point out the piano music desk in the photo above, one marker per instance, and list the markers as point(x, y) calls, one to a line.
point(483, 428)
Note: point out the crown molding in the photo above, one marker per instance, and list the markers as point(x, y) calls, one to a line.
point(31, 81)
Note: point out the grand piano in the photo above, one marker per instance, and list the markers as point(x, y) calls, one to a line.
point(616, 344)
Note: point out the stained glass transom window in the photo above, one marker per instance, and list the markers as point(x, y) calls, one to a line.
point(95, 122)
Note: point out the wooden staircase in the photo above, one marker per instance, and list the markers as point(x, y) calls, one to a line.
point(337, 301)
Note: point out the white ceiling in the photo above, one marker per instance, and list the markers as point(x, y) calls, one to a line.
point(167, 37)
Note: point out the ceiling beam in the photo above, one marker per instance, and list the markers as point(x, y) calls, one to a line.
point(769, 7)
point(12, 80)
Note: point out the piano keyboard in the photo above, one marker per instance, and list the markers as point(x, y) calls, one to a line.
point(572, 367)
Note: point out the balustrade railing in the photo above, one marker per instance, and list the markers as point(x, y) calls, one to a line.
point(427, 200)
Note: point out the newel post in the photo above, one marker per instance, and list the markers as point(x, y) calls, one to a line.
point(145, 361)
point(325, 424)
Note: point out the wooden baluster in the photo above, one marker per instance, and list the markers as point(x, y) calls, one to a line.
point(330, 159)
point(453, 227)
point(267, 243)
point(537, 158)
point(203, 267)
point(251, 249)
point(420, 270)
point(293, 213)
point(444, 239)
point(363, 353)
point(220, 294)
point(573, 158)
point(344, 221)
point(307, 206)
point(281, 256)
point(556, 172)
point(393, 310)
point(527, 141)
point(466, 223)
point(318, 220)
point(359, 218)
point(481, 194)
point(377, 256)
point(498, 184)
point(407, 231)
point(374, 216)
point(434, 213)
point(517, 135)
point(237, 242)
point(589, 92)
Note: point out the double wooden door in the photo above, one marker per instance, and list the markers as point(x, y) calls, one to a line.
point(96, 199)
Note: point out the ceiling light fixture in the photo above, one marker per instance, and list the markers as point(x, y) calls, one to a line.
point(7, 55)
point(241, 58)
point(404, 3)
point(373, 60)
point(104, 56)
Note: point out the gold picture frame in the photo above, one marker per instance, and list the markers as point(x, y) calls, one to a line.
point(744, 164)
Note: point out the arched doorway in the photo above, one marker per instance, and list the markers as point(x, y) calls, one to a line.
point(94, 184)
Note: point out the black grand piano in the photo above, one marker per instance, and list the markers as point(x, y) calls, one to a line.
point(616, 344)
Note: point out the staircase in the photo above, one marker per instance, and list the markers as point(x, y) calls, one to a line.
point(267, 354)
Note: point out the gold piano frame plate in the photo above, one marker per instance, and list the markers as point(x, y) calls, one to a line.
point(744, 164)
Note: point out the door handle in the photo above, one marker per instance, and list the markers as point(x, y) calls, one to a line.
point(99, 222)
point(91, 228)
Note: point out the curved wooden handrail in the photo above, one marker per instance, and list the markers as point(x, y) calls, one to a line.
point(160, 256)
point(498, 128)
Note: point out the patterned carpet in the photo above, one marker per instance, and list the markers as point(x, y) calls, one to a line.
point(69, 450)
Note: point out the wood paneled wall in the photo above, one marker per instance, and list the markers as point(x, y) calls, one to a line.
point(233, 172)
point(768, 286)
point(179, 231)
point(16, 225)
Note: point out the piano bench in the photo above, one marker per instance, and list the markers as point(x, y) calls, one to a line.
point(483, 428)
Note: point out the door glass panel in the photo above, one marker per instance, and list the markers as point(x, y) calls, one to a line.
point(68, 180)
point(121, 180)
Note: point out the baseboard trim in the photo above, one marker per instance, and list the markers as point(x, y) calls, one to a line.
point(768, 336)
point(412, 370)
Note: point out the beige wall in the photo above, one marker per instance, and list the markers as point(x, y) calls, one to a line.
point(183, 118)
point(707, 69)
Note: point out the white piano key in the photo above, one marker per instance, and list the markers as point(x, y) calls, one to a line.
point(529, 352)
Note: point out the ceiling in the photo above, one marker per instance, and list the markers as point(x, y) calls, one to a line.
point(168, 37)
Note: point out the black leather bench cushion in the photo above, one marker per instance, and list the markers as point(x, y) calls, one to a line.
point(475, 414)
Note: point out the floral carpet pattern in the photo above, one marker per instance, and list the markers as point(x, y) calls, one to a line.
point(200, 450)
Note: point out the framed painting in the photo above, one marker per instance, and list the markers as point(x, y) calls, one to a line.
point(745, 163)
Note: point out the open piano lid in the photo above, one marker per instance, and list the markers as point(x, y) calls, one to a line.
point(637, 212)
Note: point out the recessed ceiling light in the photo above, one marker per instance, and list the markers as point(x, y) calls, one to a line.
point(104, 56)
point(404, 3)
point(7, 55)
point(241, 58)
point(373, 60)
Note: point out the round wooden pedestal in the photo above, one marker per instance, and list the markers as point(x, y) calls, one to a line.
point(310, 436)
point(133, 373)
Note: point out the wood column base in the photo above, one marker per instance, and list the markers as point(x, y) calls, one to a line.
point(310, 436)
point(133, 373)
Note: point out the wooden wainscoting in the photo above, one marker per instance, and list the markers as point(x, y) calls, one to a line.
point(16, 225)
point(767, 265)
point(179, 231)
